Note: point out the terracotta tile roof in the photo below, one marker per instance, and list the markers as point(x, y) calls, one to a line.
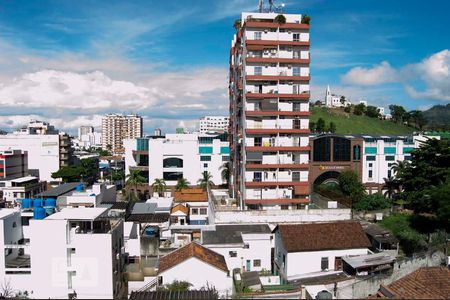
point(323, 236)
point(425, 283)
point(179, 207)
point(192, 250)
point(191, 195)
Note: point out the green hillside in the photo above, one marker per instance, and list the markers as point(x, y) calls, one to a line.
point(349, 123)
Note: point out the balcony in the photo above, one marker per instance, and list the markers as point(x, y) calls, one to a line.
point(303, 95)
point(260, 165)
point(277, 201)
point(276, 130)
point(280, 76)
point(256, 24)
point(277, 148)
point(277, 60)
point(261, 183)
point(268, 43)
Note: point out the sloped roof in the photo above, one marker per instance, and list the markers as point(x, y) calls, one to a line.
point(232, 234)
point(179, 207)
point(162, 295)
point(192, 250)
point(425, 283)
point(191, 195)
point(323, 236)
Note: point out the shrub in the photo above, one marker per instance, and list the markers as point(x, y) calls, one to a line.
point(372, 202)
point(306, 19)
point(280, 19)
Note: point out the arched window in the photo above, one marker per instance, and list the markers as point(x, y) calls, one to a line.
point(173, 162)
point(357, 152)
point(14, 225)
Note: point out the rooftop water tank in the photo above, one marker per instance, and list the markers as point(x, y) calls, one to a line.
point(27, 203)
point(38, 202)
point(50, 202)
point(39, 213)
point(79, 188)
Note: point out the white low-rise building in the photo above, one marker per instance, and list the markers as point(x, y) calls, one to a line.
point(76, 252)
point(213, 124)
point(199, 266)
point(332, 100)
point(316, 249)
point(246, 247)
point(18, 188)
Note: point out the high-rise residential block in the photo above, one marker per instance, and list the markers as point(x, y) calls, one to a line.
point(269, 111)
point(214, 124)
point(116, 128)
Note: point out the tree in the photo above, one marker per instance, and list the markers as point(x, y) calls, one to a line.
point(134, 178)
point(320, 125)
point(159, 186)
point(280, 19)
point(391, 186)
point(418, 119)
point(425, 175)
point(372, 112)
point(398, 167)
point(312, 126)
point(225, 172)
point(86, 170)
point(318, 103)
point(397, 112)
point(205, 182)
point(342, 100)
point(182, 183)
point(350, 185)
point(348, 108)
point(359, 109)
point(332, 127)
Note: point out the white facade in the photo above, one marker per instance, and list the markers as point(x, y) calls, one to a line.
point(332, 100)
point(44, 154)
point(252, 255)
point(87, 138)
point(23, 187)
point(381, 152)
point(200, 274)
point(91, 197)
point(65, 256)
point(213, 124)
point(179, 155)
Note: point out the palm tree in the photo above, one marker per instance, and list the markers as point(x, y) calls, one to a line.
point(159, 186)
point(398, 167)
point(182, 183)
point(205, 182)
point(391, 186)
point(134, 178)
point(225, 173)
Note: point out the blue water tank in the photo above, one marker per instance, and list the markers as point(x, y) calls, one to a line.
point(38, 202)
point(27, 203)
point(50, 202)
point(39, 213)
point(79, 188)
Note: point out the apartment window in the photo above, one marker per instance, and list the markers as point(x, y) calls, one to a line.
point(390, 158)
point(205, 158)
point(232, 253)
point(173, 162)
point(284, 207)
point(258, 70)
point(370, 165)
point(407, 157)
point(257, 35)
point(225, 158)
point(296, 37)
point(172, 176)
point(205, 165)
point(258, 141)
point(296, 71)
point(341, 151)
point(389, 174)
point(322, 149)
point(256, 263)
point(324, 263)
point(370, 173)
point(194, 211)
point(370, 158)
point(203, 211)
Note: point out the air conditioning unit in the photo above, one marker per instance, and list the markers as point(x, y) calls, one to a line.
point(290, 83)
point(289, 31)
point(289, 66)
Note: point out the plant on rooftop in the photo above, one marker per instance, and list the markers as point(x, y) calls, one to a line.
point(225, 172)
point(205, 182)
point(176, 286)
point(306, 19)
point(159, 186)
point(280, 19)
point(182, 183)
point(237, 24)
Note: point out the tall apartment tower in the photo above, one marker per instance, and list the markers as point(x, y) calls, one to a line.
point(269, 111)
point(116, 128)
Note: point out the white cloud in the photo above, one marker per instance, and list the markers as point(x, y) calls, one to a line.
point(435, 72)
point(382, 73)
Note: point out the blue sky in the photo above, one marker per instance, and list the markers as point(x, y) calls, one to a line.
point(71, 61)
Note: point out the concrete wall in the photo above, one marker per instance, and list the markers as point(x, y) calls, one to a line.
point(363, 288)
point(199, 274)
point(282, 216)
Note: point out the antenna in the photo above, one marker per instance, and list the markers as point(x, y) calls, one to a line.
point(272, 7)
point(261, 6)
